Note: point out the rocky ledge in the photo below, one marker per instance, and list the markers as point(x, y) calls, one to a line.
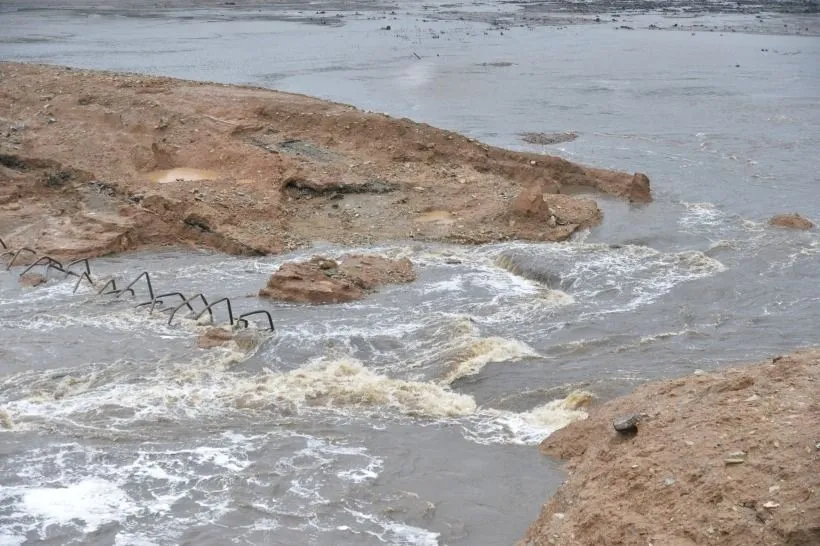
point(322, 280)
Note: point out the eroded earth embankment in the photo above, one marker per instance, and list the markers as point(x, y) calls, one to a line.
point(93, 163)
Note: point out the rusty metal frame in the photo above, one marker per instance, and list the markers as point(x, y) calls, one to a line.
point(188, 303)
point(79, 280)
point(157, 299)
point(53, 265)
point(113, 284)
point(81, 260)
point(16, 254)
point(147, 280)
point(208, 308)
point(38, 261)
point(259, 312)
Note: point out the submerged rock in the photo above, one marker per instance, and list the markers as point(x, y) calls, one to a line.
point(214, 337)
point(545, 139)
point(321, 280)
point(792, 221)
point(32, 279)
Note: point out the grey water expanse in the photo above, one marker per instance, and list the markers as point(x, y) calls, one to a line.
point(411, 417)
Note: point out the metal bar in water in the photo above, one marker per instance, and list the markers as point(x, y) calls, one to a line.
point(187, 302)
point(260, 312)
point(16, 254)
point(147, 280)
point(208, 308)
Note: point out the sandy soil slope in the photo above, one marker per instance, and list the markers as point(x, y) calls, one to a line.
point(730, 458)
point(94, 163)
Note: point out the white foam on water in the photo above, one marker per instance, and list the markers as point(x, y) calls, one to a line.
point(92, 501)
point(89, 487)
point(611, 279)
point(118, 394)
point(54, 289)
point(126, 538)
point(529, 427)
point(346, 382)
point(10, 539)
point(701, 215)
point(453, 284)
point(122, 320)
point(397, 534)
point(478, 352)
point(645, 340)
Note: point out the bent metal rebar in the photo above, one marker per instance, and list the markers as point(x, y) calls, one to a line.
point(155, 299)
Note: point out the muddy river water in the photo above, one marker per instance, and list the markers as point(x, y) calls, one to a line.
point(411, 417)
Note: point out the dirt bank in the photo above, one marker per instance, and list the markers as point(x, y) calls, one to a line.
point(93, 163)
point(730, 458)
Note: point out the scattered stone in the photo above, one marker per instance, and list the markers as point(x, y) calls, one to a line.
point(627, 424)
point(770, 505)
point(668, 482)
point(32, 279)
point(735, 457)
point(792, 221)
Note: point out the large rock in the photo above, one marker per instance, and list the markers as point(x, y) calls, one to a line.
point(368, 272)
point(635, 188)
point(322, 280)
point(638, 189)
point(793, 221)
point(556, 209)
point(531, 200)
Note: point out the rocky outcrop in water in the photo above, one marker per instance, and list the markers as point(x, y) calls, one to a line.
point(635, 188)
point(792, 221)
point(321, 280)
point(32, 279)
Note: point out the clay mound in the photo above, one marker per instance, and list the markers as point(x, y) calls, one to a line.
point(792, 221)
point(321, 280)
point(96, 163)
point(728, 458)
